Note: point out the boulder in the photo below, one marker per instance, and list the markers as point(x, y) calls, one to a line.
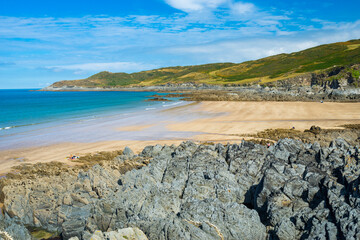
point(121, 234)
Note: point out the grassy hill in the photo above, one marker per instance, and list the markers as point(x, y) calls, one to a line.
point(264, 70)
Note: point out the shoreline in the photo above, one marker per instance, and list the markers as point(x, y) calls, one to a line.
point(94, 127)
point(200, 122)
point(206, 92)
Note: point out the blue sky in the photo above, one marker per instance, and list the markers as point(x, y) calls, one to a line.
point(46, 41)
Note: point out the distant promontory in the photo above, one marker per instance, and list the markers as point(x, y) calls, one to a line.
point(330, 64)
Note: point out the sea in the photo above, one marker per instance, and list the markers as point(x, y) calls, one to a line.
point(34, 118)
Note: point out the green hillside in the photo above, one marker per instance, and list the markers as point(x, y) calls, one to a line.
point(264, 70)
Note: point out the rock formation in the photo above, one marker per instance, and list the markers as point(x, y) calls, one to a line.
point(290, 190)
point(12, 228)
point(122, 234)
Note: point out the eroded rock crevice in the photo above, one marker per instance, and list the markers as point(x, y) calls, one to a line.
point(290, 190)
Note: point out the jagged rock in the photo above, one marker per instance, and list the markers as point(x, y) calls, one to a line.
point(285, 230)
point(291, 190)
point(121, 234)
point(127, 151)
point(315, 129)
point(13, 228)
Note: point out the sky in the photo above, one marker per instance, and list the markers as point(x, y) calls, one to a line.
point(44, 41)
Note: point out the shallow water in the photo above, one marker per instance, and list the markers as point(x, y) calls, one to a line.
point(30, 118)
point(21, 107)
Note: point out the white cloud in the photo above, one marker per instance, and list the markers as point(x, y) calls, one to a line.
point(252, 48)
point(236, 8)
point(242, 8)
point(195, 5)
point(134, 43)
point(108, 66)
point(243, 50)
point(103, 38)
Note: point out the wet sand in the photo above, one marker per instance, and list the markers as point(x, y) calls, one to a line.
point(213, 121)
point(135, 128)
point(252, 117)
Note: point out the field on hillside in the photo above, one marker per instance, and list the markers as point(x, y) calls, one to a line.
point(269, 69)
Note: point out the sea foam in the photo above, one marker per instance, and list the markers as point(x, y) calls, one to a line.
point(172, 104)
point(6, 128)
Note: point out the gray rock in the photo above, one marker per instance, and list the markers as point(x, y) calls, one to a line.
point(128, 152)
point(241, 191)
point(285, 230)
point(10, 227)
point(121, 234)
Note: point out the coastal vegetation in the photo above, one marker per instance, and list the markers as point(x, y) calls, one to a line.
point(324, 58)
point(314, 134)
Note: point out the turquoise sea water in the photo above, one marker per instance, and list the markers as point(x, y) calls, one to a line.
point(20, 107)
point(33, 118)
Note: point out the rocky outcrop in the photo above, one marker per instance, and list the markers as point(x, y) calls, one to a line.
point(12, 228)
point(286, 90)
point(157, 99)
point(338, 83)
point(294, 93)
point(121, 234)
point(290, 190)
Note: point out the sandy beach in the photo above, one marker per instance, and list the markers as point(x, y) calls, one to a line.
point(214, 121)
point(252, 117)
